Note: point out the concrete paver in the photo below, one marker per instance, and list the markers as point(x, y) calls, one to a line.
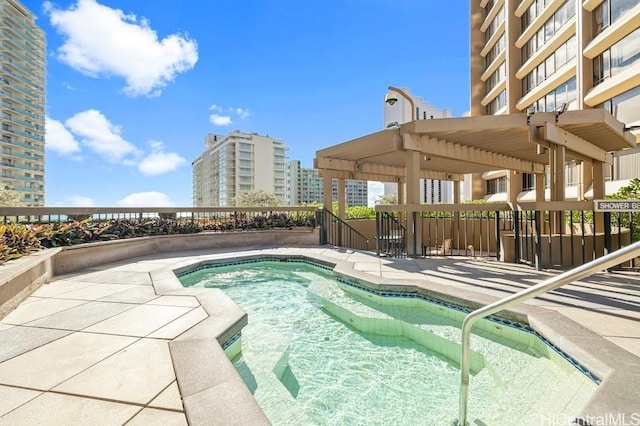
point(39, 309)
point(135, 374)
point(139, 321)
point(48, 365)
point(11, 398)
point(152, 416)
point(57, 409)
point(169, 398)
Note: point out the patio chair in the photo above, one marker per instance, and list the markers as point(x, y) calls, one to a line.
point(441, 250)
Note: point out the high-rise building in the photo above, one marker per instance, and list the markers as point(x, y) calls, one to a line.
point(431, 190)
point(307, 187)
point(554, 55)
point(22, 97)
point(236, 164)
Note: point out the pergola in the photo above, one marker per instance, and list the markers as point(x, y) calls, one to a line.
point(446, 149)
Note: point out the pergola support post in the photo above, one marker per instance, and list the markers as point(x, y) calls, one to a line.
point(414, 224)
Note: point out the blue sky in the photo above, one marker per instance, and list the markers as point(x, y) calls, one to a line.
point(133, 87)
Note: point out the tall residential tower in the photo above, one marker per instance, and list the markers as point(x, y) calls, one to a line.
point(553, 55)
point(22, 97)
point(236, 164)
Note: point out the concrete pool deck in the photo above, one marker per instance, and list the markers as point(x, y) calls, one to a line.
point(119, 343)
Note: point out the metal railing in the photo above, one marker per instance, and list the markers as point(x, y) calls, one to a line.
point(542, 234)
point(337, 232)
point(390, 235)
point(602, 263)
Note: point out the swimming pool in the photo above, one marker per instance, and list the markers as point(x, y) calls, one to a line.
point(319, 350)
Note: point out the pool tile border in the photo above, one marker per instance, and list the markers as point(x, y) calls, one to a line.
point(616, 367)
point(400, 294)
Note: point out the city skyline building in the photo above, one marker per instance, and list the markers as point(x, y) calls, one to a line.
point(307, 187)
point(553, 56)
point(432, 191)
point(22, 100)
point(238, 163)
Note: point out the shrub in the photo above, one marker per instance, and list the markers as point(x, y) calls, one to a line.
point(16, 241)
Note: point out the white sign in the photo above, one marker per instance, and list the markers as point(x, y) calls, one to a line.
point(617, 205)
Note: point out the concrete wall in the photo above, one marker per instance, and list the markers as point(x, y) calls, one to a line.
point(23, 276)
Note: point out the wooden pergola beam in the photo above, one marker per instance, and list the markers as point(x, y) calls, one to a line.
point(348, 169)
point(559, 136)
point(455, 151)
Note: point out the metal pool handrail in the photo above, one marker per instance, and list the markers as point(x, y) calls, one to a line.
point(605, 262)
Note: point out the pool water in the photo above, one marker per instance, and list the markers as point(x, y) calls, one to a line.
point(320, 351)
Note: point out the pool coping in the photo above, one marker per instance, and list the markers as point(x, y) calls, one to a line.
point(213, 391)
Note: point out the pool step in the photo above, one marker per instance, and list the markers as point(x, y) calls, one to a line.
point(367, 319)
point(269, 372)
point(538, 394)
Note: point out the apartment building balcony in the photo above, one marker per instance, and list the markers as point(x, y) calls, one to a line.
point(11, 95)
point(4, 46)
point(620, 83)
point(18, 66)
point(537, 57)
point(33, 136)
point(21, 156)
point(25, 80)
point(613, 33)
point(24, 145)
point(565, 73)
point(8, 106)
point(24, 25)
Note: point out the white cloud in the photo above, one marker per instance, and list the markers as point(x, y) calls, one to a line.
point(220, 120)
point(242, 112)
point(223, 116)
point(101, 41)
point(59, 139)
point(100, 135)
point(80, 201)
point(159, 162)
point(146, 199)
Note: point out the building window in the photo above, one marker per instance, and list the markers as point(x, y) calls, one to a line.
point(497, 103)
point(549, 29)
point(609, 11)
point(617, 58)
point(564, 94)
point(495, 51)
point(495, 24)
point(550, 65)
point(625, 106)
point(534, 10)
point(528, 182)
point(495, 78)
point(497, 185)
